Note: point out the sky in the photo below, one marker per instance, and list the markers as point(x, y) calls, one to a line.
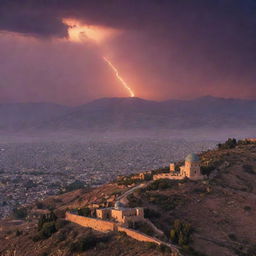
point(56, 50)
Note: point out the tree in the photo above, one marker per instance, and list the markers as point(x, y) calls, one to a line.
point(229, 144)
point(20, 212)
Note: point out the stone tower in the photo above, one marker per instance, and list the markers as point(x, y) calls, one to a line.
point(172, 167)
point(192, 167)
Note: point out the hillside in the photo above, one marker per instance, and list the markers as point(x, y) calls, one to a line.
point(219, 212)
point(111, 114)
point(20, 116)
point(135, 113)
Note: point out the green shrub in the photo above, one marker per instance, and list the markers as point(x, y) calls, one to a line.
point(180, 233)
point(84, 212)
point(86, 242)
point(247, 208)
point(151, 245)
point(232, 237)
point(60, 223)
point(252, 250)
point(229, 144)
point(48, 229)
point(167, 203)
point(161, 184)
point(144, 228)
point(40, 205)
point(74, 186)
point(164, 249)
point(249, 169)
point(150, 213)
point(18, 232)
point(134, 201)
point(161, 170)
point(20, 213)
point(50, 217)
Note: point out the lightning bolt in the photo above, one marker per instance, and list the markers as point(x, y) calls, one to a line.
point(119, 77)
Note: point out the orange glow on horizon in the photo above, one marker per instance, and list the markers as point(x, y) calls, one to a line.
point(119, 77)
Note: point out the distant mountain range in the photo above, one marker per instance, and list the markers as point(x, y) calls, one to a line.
point(131, 114)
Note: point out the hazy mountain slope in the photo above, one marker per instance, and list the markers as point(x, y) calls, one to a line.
point(135, 113)
point(19, 116)
point(131, 114)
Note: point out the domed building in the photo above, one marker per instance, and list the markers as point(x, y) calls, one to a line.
point(191, 170)
point(120, 213)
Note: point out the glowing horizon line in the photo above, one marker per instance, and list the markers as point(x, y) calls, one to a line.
point(119, 77)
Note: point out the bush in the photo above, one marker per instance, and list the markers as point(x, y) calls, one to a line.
point(247, 208)
point(150, 213)
point(162, 184)
point(161, 170)
point(40, 205)
point(134, 201)
point(206, 170)
point(84, 212)
point(20, 213)
point(144, 228)
point(48, 229)
point(249, 169)
point(18, 232)
point(180, 233)
point(229, 144)
point(251, 251)
point(86, 242)
point(164, 249)
point(50, 217)
point(232, 237)
point(74, 186)
point(166, 202)
point(60, 224)
point(126, 181)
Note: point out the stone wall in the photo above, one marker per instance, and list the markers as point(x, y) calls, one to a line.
point(168, 176)
point(97, 224)
point(104, 226)
point(138, 236)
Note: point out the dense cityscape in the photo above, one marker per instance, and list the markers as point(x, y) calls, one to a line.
point(31, 171)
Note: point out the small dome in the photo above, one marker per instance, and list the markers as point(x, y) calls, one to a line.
point(118, 205)
point(192, 158)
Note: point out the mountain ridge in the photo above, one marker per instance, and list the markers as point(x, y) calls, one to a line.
point(130, 114)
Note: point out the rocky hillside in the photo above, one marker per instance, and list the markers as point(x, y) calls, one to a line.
point(211, 217)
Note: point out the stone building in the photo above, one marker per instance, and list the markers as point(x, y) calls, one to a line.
point(191, 170)
point(121, 214)
point(251, 140)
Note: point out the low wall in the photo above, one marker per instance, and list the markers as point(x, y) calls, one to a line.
point(105, 226)
point(97, 224)
point(138, 236)
point(168, 176)
point(102, 225)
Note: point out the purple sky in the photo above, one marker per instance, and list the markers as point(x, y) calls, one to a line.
point(165, 49)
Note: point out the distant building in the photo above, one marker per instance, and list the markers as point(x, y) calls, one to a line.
point(251, 140)
point(191, 170)
point(121, 214)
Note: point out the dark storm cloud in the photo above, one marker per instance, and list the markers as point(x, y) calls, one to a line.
point(211, 25)
point(44, 16)
point(198, 47)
